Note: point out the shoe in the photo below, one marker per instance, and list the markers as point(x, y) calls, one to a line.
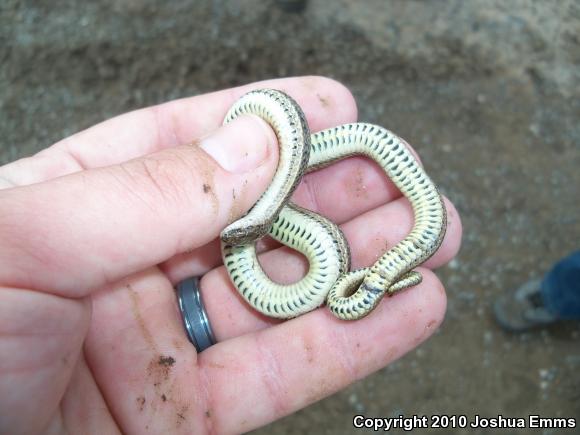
point(522, 309)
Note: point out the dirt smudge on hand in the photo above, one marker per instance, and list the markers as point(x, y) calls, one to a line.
point(159, 369)
point(159, 375)
point(167, 361)
point(141, 403)
point(205, 166)
point(324, 101)
point(357, 185)
point(139, 319)
point(236, 209)
point(309, 350)
point(181, 415)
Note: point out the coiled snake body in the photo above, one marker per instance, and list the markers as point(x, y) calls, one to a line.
point(349, 295)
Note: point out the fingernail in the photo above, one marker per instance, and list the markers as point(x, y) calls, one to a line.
point(241, 145)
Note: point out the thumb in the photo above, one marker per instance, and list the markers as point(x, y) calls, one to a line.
point(79, 232)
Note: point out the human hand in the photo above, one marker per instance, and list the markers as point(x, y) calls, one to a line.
point(98, 228)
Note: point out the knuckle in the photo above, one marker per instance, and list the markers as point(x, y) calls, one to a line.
point(158, 178)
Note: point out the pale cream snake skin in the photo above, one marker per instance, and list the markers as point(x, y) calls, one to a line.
point(349, 295)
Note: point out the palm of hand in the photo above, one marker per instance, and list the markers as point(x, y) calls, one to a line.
point(117, 359)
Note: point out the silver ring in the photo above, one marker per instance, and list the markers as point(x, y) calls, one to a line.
point(193, 314)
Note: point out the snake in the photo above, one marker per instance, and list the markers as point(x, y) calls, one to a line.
point(349, 295)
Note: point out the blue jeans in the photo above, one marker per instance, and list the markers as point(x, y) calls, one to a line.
point(561, 288)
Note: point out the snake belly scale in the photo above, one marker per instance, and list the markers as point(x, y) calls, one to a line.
point(349, 295)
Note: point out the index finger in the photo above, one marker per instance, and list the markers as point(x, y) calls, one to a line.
point(324, 101)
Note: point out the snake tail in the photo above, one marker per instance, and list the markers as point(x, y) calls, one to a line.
point(428, 231)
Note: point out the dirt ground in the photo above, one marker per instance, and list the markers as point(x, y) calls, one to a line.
point(487, 91)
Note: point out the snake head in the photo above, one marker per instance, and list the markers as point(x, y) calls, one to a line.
point(241, 232)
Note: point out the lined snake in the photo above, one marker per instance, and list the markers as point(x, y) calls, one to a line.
point(349, 295)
